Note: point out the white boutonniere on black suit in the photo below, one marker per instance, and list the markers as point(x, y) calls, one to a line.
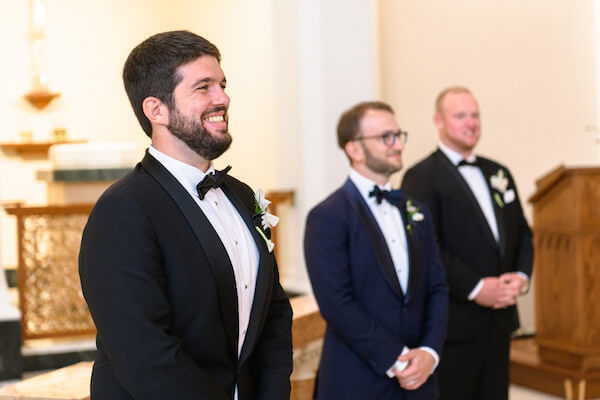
point(502, 194)
point(263, 220)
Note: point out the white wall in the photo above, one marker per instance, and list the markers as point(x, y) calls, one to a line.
point(530, 64)
point(326, 61)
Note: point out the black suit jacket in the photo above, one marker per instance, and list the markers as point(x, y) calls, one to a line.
point(467, 246)
point(161, 290)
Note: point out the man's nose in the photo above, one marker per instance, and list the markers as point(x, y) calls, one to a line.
point(220, 97)
point(398, 143)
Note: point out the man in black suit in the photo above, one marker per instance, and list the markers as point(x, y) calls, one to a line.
point(374, 267)
point(182, 286)
point(485, 245)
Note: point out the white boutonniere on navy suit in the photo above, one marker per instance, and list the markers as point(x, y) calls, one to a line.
point(413, 214)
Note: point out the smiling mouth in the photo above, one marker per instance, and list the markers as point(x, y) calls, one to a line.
point(215, 119)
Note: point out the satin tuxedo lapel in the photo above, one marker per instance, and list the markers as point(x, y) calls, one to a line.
point(209, 241)
point(488, 170)
point(265, 268)
point(469, 194)
point(413, 261)
point(385, 263)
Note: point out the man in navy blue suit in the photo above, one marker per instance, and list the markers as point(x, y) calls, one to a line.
point(373, 262)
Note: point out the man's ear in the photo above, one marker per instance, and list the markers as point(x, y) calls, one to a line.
point(156, 111)
point(354, 151)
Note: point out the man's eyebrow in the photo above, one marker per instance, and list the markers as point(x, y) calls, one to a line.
point(201, 81)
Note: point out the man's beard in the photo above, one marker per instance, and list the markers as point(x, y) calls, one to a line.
point(377, 165)
point(196, 137)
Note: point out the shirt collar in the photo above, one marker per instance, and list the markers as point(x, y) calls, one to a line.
point(454, 157)
point(365, 185)
point(187, 175)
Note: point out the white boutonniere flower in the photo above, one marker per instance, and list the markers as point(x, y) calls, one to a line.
point(509, 196)
point(499, 182)
point(413, 214)
point(267, 220)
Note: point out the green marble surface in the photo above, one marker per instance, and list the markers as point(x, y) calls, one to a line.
point(83, 175)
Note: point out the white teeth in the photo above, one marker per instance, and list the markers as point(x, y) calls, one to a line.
point(217, 118)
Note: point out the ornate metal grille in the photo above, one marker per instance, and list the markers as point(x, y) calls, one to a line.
point(50, 296)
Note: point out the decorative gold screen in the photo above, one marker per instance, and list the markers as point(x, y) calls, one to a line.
point(50, 296)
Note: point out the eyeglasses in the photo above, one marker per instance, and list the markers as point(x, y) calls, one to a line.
point(388, 138)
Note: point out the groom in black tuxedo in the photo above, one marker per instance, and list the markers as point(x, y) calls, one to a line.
point(485, 245)
point(181, 284)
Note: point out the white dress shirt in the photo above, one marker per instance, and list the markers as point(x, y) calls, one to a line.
point(390, 223)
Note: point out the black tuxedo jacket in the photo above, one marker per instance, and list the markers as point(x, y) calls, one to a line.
point(369, 318)
point(161, 290)
point(467, 246)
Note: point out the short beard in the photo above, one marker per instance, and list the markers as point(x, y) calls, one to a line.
point(196, 137)
point(378, 166)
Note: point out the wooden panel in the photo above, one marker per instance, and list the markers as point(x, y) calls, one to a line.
point(567, 268)
point(527, 369)
point(591, 290)
point(590, 204)
point(556, 210)
point(571, 202)
point(308, 323)
point(557, 285)
point(278, 198)
point(33, 148)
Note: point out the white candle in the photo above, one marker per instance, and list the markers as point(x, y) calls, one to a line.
point(38, 17)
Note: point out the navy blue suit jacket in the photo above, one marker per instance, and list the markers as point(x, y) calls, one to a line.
point(369, 318)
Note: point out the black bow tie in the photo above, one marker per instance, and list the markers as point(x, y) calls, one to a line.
point(211, 181)
point(390, 195)
point(469, 163)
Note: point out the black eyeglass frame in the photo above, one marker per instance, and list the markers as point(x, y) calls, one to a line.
point(388, 138)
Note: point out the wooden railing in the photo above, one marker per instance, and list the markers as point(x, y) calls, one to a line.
point(278, 198)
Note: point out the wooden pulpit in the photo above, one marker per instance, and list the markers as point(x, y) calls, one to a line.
point(566, 227)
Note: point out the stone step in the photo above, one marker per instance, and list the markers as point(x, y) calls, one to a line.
point(17, 359)
point(49, 354)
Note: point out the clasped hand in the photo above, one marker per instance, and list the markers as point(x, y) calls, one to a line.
point(500, 292)
point(420, 366)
